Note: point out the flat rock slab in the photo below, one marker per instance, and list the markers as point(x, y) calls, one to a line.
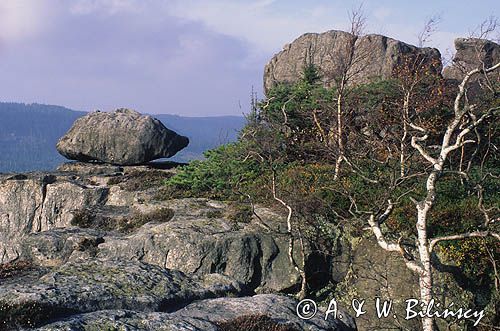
point(93, 285)
point(103, 169)
point(123, 137)
point(206, 315)
point(55, 247)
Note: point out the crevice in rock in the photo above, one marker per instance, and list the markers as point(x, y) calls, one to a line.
point(18, 177)
point(201, 264)
point(257, 269)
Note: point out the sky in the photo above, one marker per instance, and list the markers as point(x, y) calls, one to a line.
point(185, 57)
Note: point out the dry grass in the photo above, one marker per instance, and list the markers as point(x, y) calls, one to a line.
point(140, 180)
point(86, 218)
point(239, 212)
point(254, 323)
point(11, 269)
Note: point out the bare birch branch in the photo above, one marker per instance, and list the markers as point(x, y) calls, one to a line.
point(480, 234)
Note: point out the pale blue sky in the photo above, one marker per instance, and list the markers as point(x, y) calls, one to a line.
point(187, 57)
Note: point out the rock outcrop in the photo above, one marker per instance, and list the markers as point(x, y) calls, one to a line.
point(39, 202)
point(104, 246)
point(93, 246)
point(200, 239)
point(123, 137)
point(110, 214)
point(374, 56)
point(472, 53)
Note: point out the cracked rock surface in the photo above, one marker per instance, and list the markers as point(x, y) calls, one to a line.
point(93, 247)
point(94, 285)
point(57, 217)
point(205, 315)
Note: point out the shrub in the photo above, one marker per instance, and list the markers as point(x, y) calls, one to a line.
point(140, 180)
point(214, 213)
point(29, 314)
point(217, 176)
point(137, 220)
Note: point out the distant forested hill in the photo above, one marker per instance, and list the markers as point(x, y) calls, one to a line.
point(29, 133)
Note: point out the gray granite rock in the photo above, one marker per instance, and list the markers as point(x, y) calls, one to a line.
point(206, 315)
point(196, 242)
point(472, 53)
point(39, 202)
point(123, 137)
point(49, 219)
point(96, 284)
point(57, 246)
point(375, 56)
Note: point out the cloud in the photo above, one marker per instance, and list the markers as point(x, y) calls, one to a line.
point(265, 24)
point(21, 19)
point(382, 13)
point(108, 7)
point(180, 56)
point(138, 57)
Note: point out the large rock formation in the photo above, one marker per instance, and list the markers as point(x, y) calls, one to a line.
point(124, 137)
point(374, 56)
point(202, 244)
point(96, 247)
point(472, 53)
point(39, 202)
point(106, 211)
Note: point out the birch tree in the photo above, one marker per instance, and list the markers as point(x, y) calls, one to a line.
point(412, 72)
point(468, 115)
point(349, 59)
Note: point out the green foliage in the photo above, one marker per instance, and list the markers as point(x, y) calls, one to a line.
point(374, 94)
point(300, 99)
point(291, 135)
point(240, 213)
point(308, 188)
point(218, 176)
point(287, 124)
point(311, 74)
point(474, 257)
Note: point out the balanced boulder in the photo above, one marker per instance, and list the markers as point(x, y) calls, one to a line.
point(123, 137)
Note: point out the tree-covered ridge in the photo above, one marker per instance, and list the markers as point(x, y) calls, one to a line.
point(28, 134)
